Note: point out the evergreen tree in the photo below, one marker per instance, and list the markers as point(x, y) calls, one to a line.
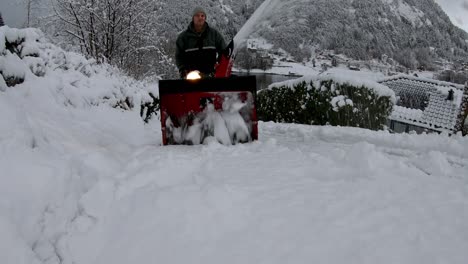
point(1, 20)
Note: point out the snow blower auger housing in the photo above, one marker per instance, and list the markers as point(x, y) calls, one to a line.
point(194, 111)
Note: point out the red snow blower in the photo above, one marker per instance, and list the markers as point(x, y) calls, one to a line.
point(221, 108)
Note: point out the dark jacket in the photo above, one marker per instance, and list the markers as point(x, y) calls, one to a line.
point(198, 51)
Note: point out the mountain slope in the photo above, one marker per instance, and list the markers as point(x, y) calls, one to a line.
point(414, 33)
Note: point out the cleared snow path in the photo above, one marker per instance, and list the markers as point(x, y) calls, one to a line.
point(300, 195)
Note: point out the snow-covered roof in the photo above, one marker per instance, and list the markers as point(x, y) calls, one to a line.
point(405, 114)
point(439, 114)
point(258, 44)
point(421, 79)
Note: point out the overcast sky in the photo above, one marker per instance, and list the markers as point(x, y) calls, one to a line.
point(14, 12)
point(457, 11)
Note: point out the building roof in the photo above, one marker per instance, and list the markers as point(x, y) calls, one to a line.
point(432, 110)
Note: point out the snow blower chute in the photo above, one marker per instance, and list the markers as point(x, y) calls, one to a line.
point(221, 108)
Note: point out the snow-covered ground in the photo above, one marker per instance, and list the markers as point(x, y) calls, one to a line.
point(95, 186)
point(82, 182)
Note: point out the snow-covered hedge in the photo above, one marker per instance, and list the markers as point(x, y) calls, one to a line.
point(322, 100)
point(27, 59)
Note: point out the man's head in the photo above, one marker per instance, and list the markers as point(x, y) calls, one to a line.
point(198, 17)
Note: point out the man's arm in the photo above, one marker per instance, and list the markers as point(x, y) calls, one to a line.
point(220, 43)
point(179, 56)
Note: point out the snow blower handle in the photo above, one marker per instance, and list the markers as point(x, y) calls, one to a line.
point(226, 60)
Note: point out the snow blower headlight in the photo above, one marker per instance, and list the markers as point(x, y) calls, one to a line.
point(193, 75)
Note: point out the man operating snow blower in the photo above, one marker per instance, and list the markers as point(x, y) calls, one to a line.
point(198, 47)
point(211, 105)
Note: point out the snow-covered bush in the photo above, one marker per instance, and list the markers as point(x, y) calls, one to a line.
point(327, 100)
point(18, 54)
point(462, 122)
point(27, 58)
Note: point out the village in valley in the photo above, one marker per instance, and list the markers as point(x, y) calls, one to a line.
point(428, 101)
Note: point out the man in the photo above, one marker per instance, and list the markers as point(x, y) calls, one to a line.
point(198, 46)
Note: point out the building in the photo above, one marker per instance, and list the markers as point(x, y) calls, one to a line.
point(426, 105)
point(259, 46)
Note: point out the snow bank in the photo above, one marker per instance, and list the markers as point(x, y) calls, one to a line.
point(26, 55)
point(62, 128)
point(11, 66)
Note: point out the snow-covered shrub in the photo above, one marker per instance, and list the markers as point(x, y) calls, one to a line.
point(462, 122)
point(18, 51)
point(327, 100)
point(27, 58)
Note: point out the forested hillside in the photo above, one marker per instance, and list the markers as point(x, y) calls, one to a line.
point(414, 33)
point(141, 41)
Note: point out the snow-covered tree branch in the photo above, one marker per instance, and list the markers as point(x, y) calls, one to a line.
point(107, 30)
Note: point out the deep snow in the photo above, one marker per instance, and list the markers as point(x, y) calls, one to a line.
point(95, 186)
point(82, 182)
